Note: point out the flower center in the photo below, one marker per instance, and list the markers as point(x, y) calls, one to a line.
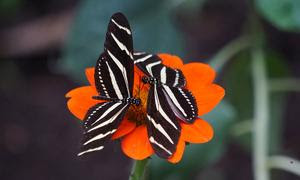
point(138, 113)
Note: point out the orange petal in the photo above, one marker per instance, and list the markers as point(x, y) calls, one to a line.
point(136, 144)
point(198, 75)
point(208, 97)
point(89, 73)
point(81, 100)
point(198, 132)
point(124, 128)
point(171, 61)
point(179, 151)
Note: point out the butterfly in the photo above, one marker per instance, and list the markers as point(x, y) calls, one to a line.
point(167, 101)
point(114, 82)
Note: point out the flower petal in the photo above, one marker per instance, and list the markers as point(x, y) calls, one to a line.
point(198, 132)
point(125, 127)
point(208, 97)
point(198, 75)
point(171, 61)
point(177, 156)
point(81, 100)
point(136, 144)
point(89, 73)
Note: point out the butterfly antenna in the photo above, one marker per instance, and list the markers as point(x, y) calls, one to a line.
point(139, 86)
point(101, 98)
point(142, 86)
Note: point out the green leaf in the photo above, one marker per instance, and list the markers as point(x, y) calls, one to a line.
point(198, 156)
point(150, 22)
point(284, 14)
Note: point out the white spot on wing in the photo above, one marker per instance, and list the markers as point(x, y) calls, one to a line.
point(160, 129)
point(142, 59)
point(122, 69)
point(138, 53)
point(163, 75)
point(121, 27)
point(174, 99)
point(121, 46)
point(90, 150)
point(149, 67)
point(160, 110)
point(114, 82)
point(100, 136)
point(176, 78)
point(152, 140)
point(108, 121)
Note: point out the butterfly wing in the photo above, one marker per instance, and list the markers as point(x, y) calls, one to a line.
point(168, 76)
point(100, 123)
point(182, 103)
point(162, 125)
point(152, 66)
point(114, 68)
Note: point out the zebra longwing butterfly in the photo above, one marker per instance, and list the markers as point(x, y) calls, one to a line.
point(167, 99)
point(114, 82)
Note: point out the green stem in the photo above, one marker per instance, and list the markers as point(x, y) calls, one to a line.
point(243, 127)
point(138, 169)
point(261, 115)
point(228, 51)
point(285, 84)
point(285, 163)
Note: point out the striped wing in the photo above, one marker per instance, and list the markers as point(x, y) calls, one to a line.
point(162, 125)
point(100, 123)
point(182, 103)
point(151, 65)
point(114, 68)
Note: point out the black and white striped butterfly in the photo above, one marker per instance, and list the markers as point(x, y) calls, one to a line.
point(114, 82)
point(167, 99)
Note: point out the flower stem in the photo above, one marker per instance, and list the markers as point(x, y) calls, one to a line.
point(284, 84)
point(243, 127)
point(261, 115)
point(138, 169)
point(285, 163)
point(228, 51)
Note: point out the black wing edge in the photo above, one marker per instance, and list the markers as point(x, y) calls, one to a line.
point(173, 77)
point(182, 103)
point(97, 130)
point(162, 125)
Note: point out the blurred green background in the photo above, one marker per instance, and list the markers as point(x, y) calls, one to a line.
point(253, 44)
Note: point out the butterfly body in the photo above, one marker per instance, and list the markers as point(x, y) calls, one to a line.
point(167, 101)
point(114, 83)
point(130, 100)
point(150, 80)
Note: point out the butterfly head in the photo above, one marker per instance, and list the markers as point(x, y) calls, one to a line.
point(149, 80)
point(137, 102)
point(134, 101)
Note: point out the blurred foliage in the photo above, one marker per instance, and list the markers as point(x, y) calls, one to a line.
point(150, 22)
point(240, 93)
point(198, 156)
point(277, 68)
point(9, 7)
point(284, 14)
point(189, 7)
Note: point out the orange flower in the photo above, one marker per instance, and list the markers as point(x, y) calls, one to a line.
point(133, 131)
